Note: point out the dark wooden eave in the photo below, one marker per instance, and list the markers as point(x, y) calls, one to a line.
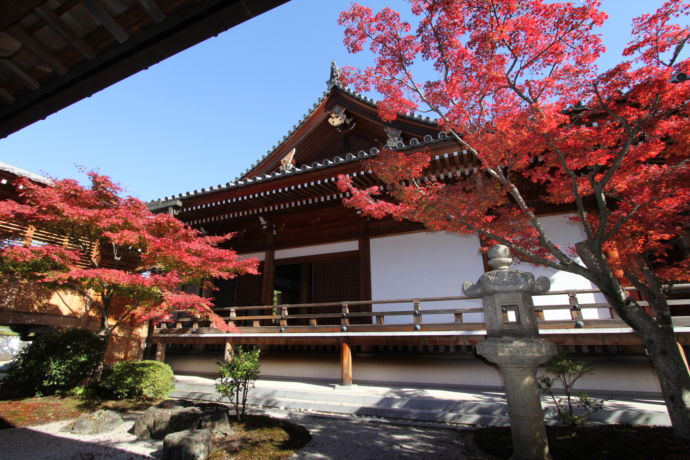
point(53, 54)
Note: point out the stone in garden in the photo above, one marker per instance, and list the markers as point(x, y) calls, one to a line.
point(187, 445)
point(156, 422)
point(96, 422)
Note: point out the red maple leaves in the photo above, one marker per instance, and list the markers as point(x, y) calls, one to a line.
point(113, 247)
point(517, 86)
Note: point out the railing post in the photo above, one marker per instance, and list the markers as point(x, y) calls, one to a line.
point(29, 236)
point(575, 310)
point(417, 315)
point(233, 315)
point(283, 315)
point(344, 316)
point(458, 318)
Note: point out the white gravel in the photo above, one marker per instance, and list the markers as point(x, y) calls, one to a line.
point(333, 438)
point(47, 442)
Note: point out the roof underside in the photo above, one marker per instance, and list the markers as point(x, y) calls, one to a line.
point(56, 52)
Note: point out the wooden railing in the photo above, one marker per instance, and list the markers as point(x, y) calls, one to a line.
point(463, 313)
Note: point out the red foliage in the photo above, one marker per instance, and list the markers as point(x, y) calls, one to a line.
point(154, 255)
point(511, 76)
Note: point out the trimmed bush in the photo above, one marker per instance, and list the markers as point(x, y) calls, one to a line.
point(137, 380)
point(54, 363)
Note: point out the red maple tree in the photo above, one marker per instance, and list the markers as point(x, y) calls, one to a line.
point(516, 85)
point(121, 258)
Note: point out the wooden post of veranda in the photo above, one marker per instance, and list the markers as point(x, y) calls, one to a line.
point(227, 352)
point(160, 352)
point(345, 364)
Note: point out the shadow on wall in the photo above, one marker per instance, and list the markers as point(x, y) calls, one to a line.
point(29, 297)
point(127, 343)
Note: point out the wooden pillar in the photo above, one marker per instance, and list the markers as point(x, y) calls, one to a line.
point(345, 364)
point(268, 280)
point(160, 352)
point(364, 268)
point(227, 352)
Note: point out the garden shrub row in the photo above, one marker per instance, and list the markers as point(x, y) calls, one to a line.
point(66, 361)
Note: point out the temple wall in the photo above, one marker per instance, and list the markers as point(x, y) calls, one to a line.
point(611, 374)
point(565, 234)
point(424, 264)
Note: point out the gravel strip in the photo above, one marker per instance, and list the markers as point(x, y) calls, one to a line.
point(46, 442)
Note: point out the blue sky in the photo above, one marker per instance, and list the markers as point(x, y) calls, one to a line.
point(203, 116)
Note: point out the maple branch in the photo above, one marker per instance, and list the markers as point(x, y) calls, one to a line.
point(520, 250)
point(679, 47)
point(575, 189)
point(122, 317)
point(622, 222)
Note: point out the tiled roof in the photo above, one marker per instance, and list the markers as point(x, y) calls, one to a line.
point(23, 173)
point(337, 160)
point(333, 82)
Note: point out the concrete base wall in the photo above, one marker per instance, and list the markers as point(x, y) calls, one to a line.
point(614, 374)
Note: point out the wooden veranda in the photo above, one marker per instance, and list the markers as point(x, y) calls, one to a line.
point(565, 318)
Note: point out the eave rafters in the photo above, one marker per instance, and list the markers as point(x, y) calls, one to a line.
point(444, 166)
point(54, 53)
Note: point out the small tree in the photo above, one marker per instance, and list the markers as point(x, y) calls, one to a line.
point(575, 407)
point(123, 260)
point(237, 376)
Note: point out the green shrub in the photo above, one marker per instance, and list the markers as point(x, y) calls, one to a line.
point(237, 376)
point(54, 363)
point(573, 409)
point(137, 380)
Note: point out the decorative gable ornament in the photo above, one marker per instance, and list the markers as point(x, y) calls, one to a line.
point(287, 162)
point(394, 137)
point(339, 120)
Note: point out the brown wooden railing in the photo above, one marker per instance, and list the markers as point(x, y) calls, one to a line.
point(362, 316)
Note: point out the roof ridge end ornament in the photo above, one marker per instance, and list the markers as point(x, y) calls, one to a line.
point(334, 79)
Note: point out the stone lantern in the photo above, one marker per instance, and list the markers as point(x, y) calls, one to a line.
point(514, 345)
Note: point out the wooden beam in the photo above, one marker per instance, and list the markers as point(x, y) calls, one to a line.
point(5, 96)
point(27, 79)
point(54, 21)
point(345, 364)
point(152, 9)
point(37, 48)
point(106, 20)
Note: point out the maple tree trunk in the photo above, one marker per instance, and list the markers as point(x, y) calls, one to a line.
point(656, 333)
point(673, 378)
point(660, 342)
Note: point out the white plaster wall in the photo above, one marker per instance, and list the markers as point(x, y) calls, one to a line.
point(257, 255)
point(614, 374)
point(565, 234)
point(424, 264)
point(341, 246)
